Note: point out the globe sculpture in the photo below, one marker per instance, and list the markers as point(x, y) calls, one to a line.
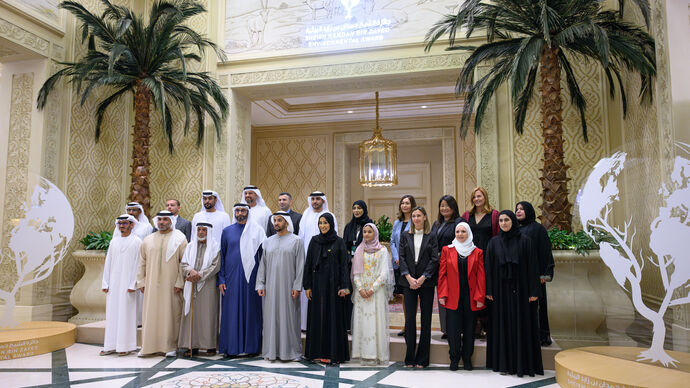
point(38, 242)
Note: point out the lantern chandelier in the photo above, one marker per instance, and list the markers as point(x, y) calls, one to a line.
point(378, 158)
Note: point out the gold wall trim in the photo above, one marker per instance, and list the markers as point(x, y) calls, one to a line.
point(347, 70)
point(24, 38)
point(357, 125)
point(368, 103)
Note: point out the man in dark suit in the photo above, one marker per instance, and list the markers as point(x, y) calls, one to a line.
point(182, 225)
point(284, 203)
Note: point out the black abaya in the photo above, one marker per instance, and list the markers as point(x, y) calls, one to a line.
point(352, 236)
point(543, 249)
point(511, 279)
point(325, 273)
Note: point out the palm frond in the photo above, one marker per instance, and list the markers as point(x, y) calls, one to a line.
point(518, 30)
point(103, 106)
point(643, 6)
point(124, 48)
point(521, 105)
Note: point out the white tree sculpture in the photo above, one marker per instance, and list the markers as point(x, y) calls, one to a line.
point(38, 242)
point(670, 232)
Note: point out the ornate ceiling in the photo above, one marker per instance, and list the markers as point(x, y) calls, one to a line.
point(360, 105)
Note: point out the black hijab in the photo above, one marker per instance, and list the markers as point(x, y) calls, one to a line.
point(530, 215)
point(510, 241)
point(331, 235)
point(350, 232)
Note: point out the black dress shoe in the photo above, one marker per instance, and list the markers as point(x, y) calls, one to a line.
point(444, 336)
point(453, 365)
point(467, 365)
point(401, 333)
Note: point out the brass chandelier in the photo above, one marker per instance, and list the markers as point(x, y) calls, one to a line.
point(378, 158)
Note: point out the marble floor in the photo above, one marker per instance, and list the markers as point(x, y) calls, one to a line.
point(80, 366)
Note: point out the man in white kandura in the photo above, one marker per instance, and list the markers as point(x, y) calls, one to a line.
point(258, 211)
point(212, 212)
point(160, 279)
point(119, 284)
point(308, 228)
point(279, 281)
point(141, 229)
point(200, 267)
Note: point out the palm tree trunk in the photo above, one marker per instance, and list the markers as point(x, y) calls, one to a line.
point(139, 190)
point(554, 180)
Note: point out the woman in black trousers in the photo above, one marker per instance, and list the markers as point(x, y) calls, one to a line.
point(418, 276)
point(444, 228)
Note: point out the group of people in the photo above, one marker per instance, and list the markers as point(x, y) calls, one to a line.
point(251, 283)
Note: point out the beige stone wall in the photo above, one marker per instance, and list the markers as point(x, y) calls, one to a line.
point(295, 164)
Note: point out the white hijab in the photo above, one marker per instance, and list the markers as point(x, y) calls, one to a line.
point(212, 249)
point(252, 237)
point(464, 248)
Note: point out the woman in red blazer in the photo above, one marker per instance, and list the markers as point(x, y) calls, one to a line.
point(461, 290)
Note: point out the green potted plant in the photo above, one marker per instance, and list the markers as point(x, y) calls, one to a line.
point(385, 228)
point(97, 241)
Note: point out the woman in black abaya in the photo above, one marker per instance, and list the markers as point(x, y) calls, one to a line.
point(524, 211)
point(512, 283)
point(326, 282)
point(352, 235)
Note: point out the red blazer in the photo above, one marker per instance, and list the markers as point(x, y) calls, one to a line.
point(494, 221)
point(448, 284)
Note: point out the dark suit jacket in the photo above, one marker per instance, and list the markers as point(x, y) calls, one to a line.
point(185, 227)
point(427, 264)
point(294, 216)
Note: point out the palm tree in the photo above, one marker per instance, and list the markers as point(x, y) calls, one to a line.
point(530, 38)
point(125, 53)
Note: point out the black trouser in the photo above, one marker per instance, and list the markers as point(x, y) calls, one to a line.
point(544, 331)
point(425, 295)
point(461, 323)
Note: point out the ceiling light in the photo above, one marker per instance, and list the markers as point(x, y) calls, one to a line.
point(424, 106)
point(378, 158)
point(350, 111)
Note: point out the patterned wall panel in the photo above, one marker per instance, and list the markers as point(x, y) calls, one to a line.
point(469, 152)
point(95, 171)
point(178, 175)
point(52, 127)
point(199, 23)
point(641, 140)
point(16, 177)
point(580, 156)
point(293, 164)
